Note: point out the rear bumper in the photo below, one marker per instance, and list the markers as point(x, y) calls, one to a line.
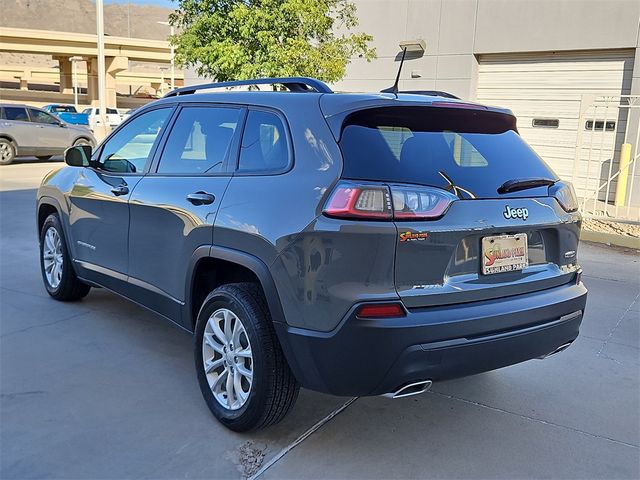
point(372, 357)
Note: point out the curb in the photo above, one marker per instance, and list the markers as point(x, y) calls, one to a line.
point(610, 239)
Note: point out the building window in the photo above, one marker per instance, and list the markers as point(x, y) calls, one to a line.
point(546, 122)
point(609, 125)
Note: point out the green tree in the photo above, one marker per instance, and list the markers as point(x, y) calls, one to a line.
point(241, 39)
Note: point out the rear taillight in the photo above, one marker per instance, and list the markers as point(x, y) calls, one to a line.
point(419, 203)
point(350, 200)
point(565, 195)
point(382, 202)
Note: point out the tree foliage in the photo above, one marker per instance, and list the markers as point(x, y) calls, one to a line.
point(241, 39)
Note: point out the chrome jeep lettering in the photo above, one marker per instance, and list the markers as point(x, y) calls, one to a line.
point(512, 213)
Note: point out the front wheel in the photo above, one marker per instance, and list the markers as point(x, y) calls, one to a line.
point(243, 375)
point(60, 279)
point(81, 141)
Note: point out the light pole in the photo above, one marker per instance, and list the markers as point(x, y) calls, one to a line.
point(74, 64)
point(102, 87)
point(173, 71)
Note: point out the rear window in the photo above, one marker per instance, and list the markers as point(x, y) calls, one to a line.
point(478, 150)
point(63, 109)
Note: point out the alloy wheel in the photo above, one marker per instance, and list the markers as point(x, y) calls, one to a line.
point(227, 359)
point(52, 257)
point(5, 152)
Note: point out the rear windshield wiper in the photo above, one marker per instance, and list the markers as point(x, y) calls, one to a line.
point(518, 184)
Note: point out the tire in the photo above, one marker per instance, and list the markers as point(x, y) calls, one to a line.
point(269, 394)
point(43, 158)
point(81, 141)
point(64, 286)
point(7, 151)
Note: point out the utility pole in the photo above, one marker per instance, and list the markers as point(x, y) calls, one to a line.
point(74, 64)
point(102, 76)
point(173, 63)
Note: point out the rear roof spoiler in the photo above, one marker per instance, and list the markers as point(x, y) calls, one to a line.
point(294, 84)
point(431, 93)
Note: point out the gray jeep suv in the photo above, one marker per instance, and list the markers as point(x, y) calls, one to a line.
point(354, 244)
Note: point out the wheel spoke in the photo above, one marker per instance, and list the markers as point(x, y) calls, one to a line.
point(218, 381)
point(241, 395)
point(217, 331)
point(245, 353)
point(231, 398)
point(212, 364)
point(211, 343)
point(245, 372)
point(228, 332)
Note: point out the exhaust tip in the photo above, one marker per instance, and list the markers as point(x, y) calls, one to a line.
point(415, 388)
point(561, 348)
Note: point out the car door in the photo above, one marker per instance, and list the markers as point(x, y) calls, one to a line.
point(99, 209)
point(16, 123)
point(53, 135)
point(173, 209)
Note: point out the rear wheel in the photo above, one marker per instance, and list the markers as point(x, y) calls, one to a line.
point(7, 151)
point(60, 279)
point(241, 369)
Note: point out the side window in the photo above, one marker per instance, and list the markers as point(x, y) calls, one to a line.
point(264, 143)
point(129, 149)
point(39, 116)
point(16, 113)
point(200, 140)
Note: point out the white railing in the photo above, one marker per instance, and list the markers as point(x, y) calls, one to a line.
point(605, 172)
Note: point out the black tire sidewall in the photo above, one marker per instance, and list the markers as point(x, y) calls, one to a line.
point(13, 152)
point(252, 410)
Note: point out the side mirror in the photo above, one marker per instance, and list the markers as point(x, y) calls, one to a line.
point(62, 125)
point(79, 156)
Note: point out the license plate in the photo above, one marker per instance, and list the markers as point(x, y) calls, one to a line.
point(504, 253)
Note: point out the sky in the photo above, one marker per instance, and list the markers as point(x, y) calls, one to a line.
point(162, 3)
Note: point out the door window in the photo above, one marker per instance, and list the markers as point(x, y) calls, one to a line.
point(200, 140)
point(38, 116)
point(264, 143)
point(16, 113)
point(128, 150)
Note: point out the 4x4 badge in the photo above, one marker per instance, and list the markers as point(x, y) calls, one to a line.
point(510, 213)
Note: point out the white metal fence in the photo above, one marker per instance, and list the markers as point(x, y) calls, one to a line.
point(605, 173)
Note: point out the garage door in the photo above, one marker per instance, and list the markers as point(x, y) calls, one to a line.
point(545, 91)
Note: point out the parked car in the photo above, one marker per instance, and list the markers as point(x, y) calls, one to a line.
point(353, 244)
point(113, 117)
point(29, 131)
point(126, 113)
point(68, 113)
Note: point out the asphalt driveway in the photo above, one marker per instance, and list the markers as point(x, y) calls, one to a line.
point(105, 389)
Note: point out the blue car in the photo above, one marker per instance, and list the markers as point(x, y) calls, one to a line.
point(68, 113)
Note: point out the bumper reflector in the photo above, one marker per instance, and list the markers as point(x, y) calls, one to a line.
point(380, 310)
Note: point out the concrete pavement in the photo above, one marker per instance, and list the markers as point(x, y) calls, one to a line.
point(105, 389)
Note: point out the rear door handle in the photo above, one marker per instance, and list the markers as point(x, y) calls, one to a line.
point(120, 190)
point(200, 198)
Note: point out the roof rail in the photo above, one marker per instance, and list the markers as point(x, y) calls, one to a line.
point(294, 84)
point(431, 93)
